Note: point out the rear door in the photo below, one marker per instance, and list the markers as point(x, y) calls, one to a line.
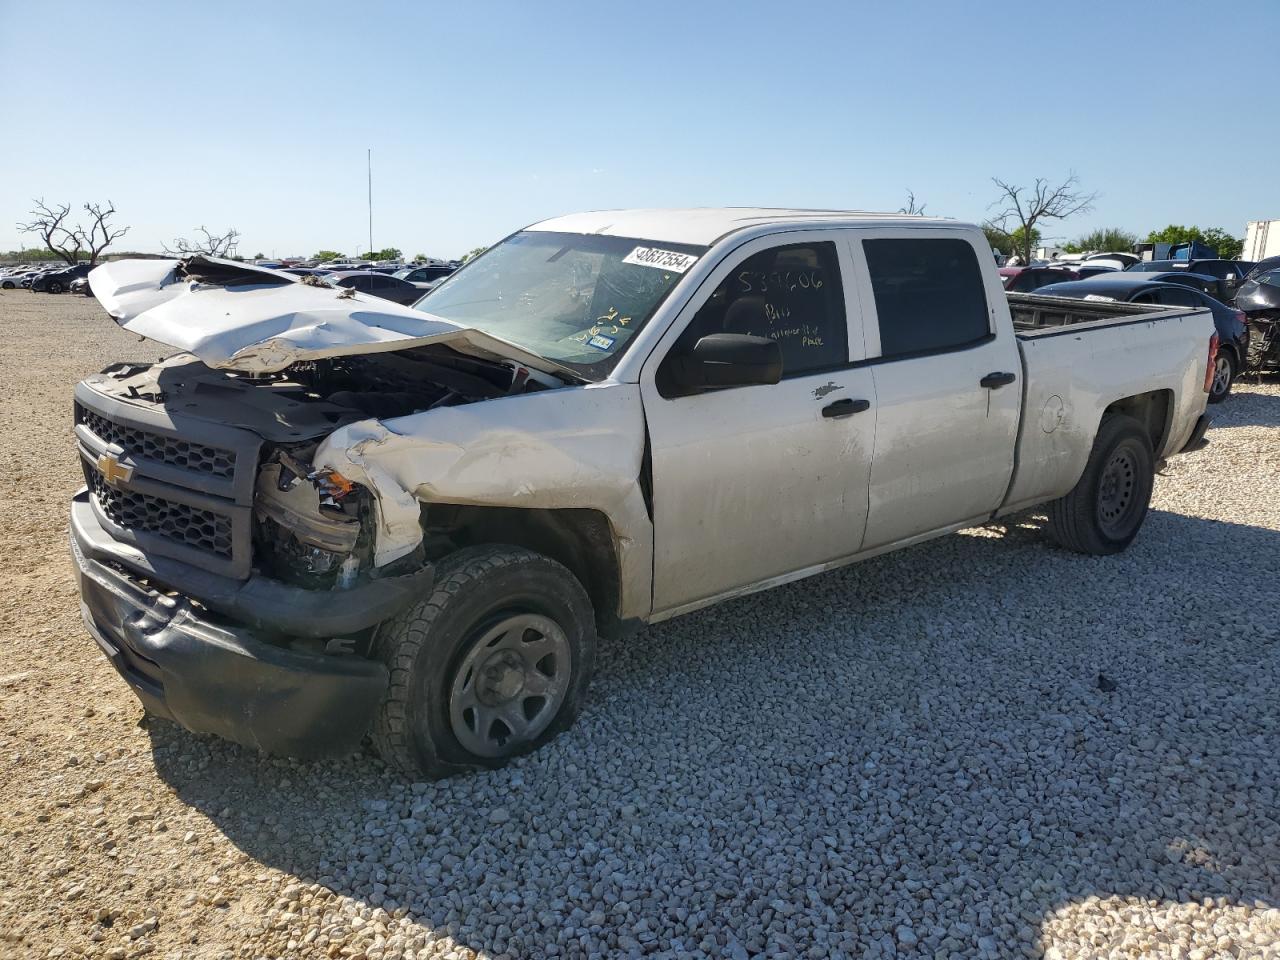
point(756, 483)
point(947, 382)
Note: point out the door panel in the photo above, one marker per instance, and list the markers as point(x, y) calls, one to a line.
point(944, 444)
point(753, 483)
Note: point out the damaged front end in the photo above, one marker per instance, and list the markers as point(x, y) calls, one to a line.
point(231, 580)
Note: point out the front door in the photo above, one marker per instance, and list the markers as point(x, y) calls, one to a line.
point(759, 482)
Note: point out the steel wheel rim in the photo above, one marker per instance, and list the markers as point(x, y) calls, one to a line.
point(510, 684)
point(1221, 374)
point(1118, 493)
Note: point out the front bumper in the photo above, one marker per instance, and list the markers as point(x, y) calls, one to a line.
point(215, 673)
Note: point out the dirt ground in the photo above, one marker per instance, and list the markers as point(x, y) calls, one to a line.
point(118, 840)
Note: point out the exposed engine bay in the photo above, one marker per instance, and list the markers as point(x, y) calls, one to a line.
point(313, 528)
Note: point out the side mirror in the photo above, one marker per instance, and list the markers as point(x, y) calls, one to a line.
point(728, 360)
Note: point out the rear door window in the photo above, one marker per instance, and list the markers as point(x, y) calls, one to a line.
point(929, 294)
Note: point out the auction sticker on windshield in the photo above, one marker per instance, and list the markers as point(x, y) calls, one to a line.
point(670, 260)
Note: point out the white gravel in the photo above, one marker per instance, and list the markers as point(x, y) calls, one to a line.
point(909, 758)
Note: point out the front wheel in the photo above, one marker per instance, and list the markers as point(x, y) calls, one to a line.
point(1224, 374)
point(55, 287)
point(1104, 511)
point(492, 665)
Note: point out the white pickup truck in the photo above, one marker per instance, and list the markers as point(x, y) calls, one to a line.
point(330, 516)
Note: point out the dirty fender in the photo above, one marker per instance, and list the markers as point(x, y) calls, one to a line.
point(578, 447)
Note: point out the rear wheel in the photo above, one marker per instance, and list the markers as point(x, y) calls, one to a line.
point(492, 665)
point(55, 286)
point(1104, 511)
point(1224, 374)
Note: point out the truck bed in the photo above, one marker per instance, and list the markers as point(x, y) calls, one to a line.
point(1035, 315)
point(1080, 356)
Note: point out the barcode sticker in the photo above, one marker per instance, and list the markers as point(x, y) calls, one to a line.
point(669, 260)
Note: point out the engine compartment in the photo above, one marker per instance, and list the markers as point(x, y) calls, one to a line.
point(315, 528)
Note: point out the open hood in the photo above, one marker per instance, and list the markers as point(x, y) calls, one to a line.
point(234, 316)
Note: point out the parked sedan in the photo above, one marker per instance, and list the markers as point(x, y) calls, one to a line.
point(1126, 287)
point(56, 281)
point(80, 285)
point(378, 284)
point(1196, 281)
point(1259, 298)
point(1027, 279)
point(424, 278)
point(1229, 274)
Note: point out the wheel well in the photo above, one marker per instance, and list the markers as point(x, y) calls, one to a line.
point(580, 539)
point(1152, 410)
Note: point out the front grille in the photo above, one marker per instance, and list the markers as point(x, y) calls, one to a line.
point(182, 486)
point(176, 453)
point(201, 529)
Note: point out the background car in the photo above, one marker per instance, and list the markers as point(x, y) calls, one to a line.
point(80, 285)
point(1126, 287)
point(57, 281)
point(1195, 281)
point(1259, 298)
point(424, 278)
point(378, 284)
point(1027, 279)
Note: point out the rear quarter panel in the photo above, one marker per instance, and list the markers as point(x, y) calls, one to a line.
point(1073, 375)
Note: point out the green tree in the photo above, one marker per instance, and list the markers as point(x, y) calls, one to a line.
point(386, 253)
point(473, 253)
point(1010, 243)
point(1111, 239)
point(1228, 247)
point(323, 255)
point(420, 256)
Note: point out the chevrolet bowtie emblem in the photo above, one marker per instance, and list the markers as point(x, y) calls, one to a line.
point(113, 471)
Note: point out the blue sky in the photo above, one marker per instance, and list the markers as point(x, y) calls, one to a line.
point(483, 117)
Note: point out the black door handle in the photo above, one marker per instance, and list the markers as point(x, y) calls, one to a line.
point(993, 381)
point(845, 408)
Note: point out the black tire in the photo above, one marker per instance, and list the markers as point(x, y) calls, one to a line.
point(441, 658)
point(1104, 511)
point(1224, 375)
point(55, 286)
point(8, 285)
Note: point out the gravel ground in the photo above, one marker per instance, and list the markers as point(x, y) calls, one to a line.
point(911, 757)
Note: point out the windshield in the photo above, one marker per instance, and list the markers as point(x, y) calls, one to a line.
point(577, 299)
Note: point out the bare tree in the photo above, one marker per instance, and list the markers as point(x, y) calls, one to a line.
point(69, 240)
point(1027, 207)
point(51, 224)
point(101, 234)
point(911, 209)
point(211, 245)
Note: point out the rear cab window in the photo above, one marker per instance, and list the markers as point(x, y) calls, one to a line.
point(930, 295)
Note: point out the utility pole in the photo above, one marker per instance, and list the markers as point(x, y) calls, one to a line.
point(369, 161)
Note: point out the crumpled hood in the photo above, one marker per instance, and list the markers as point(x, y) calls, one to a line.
point(235, 316)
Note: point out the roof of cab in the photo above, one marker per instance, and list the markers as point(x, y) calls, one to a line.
point(706, 225)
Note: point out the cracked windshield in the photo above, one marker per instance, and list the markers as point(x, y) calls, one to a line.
point(573, 298)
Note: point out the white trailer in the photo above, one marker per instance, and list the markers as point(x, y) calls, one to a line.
point(1261, 240)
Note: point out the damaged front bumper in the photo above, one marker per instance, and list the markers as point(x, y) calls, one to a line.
point(195, 647)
